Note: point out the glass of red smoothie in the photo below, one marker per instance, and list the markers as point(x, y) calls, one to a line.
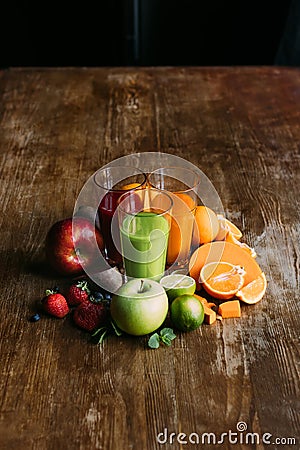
point(111, 183)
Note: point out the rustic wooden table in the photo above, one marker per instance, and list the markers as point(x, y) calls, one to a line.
point(241, 126)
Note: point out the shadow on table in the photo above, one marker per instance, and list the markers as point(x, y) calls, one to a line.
point(16, 262)
point(41, 268)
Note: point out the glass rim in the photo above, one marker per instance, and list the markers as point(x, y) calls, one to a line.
point(181, 191)
point(133, 214)
point(139, 172)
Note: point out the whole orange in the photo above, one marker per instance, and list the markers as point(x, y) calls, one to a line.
point(206, 226)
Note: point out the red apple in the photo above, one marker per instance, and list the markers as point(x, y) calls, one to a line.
point(72, 244)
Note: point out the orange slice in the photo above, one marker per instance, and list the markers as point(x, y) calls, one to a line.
point(226, 252)
point(221, 279)
point(225, 226)
point(254, 291)
point(231, 238)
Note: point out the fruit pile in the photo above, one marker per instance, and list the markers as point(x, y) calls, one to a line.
point(223, 267)
point(90, 309)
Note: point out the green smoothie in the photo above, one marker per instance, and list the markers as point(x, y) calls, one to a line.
point(144, 239)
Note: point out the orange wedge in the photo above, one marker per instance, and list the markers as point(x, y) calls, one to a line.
point(254, 291)
point(221, 279)
point(226, 252)
point(225, 226)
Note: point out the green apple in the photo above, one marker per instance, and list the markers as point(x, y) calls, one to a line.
point(139, 307)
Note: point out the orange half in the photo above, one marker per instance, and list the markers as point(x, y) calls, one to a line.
point(227, 252)
point(221, 279)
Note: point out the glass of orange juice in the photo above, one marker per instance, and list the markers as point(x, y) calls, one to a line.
point(181, 184)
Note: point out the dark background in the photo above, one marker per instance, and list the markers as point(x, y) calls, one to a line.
point(141, 32)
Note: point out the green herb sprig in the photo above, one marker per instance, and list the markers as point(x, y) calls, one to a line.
point(165, 336)
point(103, 332)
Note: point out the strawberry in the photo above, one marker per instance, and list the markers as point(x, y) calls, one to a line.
point(78, 293)
point(90, 315)
point(55, 304)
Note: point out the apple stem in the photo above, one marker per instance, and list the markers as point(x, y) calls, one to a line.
point(141, 287)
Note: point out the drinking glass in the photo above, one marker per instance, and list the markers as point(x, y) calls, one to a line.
point(181, 184)
point(112, 182)
point(145, 220)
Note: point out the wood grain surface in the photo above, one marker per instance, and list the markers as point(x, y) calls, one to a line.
point(241, 127)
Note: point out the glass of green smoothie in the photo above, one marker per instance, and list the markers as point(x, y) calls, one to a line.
point(145, 220)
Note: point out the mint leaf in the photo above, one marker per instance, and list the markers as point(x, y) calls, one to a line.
point(153, 341)
point(166, 340)
point(166, 336)
point(167, 333)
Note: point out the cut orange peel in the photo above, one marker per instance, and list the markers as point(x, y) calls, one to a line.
point(230, 309)
point(210, 315)
point(226, 227)
point(230, 237)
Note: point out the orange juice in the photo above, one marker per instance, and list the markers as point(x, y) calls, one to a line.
point(182, 184)
point(182, 223)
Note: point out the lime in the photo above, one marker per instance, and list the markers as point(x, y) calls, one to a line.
point(178, 284)
point(187, 313)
